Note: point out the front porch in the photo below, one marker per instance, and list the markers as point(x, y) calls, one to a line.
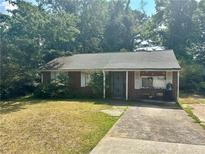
point(132, 85)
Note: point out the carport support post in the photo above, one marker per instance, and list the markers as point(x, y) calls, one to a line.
point(177, 85)
point(126, 85)
point(103, 84)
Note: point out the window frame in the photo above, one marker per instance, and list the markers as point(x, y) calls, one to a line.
point(85, 79)
point(147, 77)
point(54, 76)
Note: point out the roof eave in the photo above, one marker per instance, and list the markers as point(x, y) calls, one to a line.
point(114, 69)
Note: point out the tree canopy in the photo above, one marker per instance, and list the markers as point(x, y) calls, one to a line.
point(32, 35)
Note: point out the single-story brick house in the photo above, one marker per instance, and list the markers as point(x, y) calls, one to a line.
point(131, 75)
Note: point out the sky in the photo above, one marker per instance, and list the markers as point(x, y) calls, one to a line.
point(149, 6)
point(134, 4)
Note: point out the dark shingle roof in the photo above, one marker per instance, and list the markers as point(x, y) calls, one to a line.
point(143, 60)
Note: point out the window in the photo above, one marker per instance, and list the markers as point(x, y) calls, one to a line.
point(159, 82)
point(54, 76)
point(147, 82)
point(85, 79)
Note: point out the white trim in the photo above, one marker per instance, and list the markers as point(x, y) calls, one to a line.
point(146, 70)
point(169, 77)
point(84, 79)
point(177, 85)
point(108, 70)
point(104, 84)
point(127, 85)
point(54, 75)
point(41, 77)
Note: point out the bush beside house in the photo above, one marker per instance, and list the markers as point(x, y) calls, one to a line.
point(61, 88)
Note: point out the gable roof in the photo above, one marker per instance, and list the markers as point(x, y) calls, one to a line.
point(143, 60)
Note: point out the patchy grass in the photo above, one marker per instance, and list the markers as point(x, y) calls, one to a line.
point(192, 99)
point(188, 109)
point(186, 100)
point(43, 126)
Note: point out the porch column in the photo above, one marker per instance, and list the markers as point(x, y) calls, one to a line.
point(177, 85)
point(104, 84)
point(126, 86)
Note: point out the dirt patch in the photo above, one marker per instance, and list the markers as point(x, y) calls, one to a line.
point(113, 112)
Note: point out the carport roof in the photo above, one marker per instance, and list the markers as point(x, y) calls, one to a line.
point(141, 60)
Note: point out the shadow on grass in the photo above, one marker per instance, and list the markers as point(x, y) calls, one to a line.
point(19, 104)
point(140, 103)
point(192, 95)
point(8, 106)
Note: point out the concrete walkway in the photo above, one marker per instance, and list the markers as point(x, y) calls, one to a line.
point(153, 129)
point(113, 145)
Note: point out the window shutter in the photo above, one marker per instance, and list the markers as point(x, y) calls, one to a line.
point(42, 75)
point(82, 79)
point(137, 80)
point(53, 76)
point(168, 77)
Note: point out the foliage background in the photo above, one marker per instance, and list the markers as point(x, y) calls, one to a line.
point(32, 35)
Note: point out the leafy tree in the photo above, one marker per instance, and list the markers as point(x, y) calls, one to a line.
point(59, 6)
point(59, 88)
point(172, 25)
point(26, 37)
point(96, 84)
point(197, 48)
point(35, 34)
point(92, 25)
point(191, 77)
point(119, 33)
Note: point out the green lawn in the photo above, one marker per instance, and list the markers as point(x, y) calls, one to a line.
point(43, 126)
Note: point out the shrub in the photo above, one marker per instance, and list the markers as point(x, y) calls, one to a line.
point(15, 88)
point(60, 88)
point(191, 78)
point(202, 86)
point(96, 84)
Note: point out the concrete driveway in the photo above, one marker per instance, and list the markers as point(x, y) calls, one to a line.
point(153, 129)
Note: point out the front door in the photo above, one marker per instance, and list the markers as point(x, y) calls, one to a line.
point(118, 84)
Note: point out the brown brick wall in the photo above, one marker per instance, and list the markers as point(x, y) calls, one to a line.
point(76, 83)
point(175, 85)
point(152, 73)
